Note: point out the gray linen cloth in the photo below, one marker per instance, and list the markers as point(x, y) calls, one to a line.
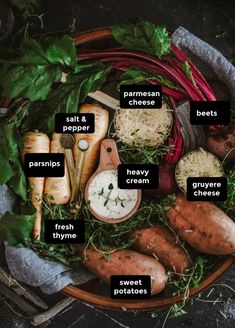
point(222, 68)
point(26, 266)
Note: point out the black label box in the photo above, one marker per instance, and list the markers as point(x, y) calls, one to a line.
point(207, 189)
point(140, 96)
point(138, 176)
point(74, 123)
point(44, 165)
point(210, 112)
point(64, 231)
point(130, 287)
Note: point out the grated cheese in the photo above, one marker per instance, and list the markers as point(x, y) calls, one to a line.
point(197, 163)
point(143, 127)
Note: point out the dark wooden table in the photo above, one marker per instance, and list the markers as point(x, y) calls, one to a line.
point(213, 21)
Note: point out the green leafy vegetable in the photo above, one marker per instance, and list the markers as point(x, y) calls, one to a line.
point(187, 71)
point(54, 51)
point(16, 229)
point(143, 36)
point(33, 83)
point(48, 73)
point(31, 71)
point(6, 170)
point(66, 97)
point(135, 75)
point(10, 143)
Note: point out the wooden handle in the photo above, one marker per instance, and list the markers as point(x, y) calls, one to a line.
point(15, 286)
point(88, 36)
point(77, 178)
point(45, 316)
point(70, 164)
point(104, 99)
point(109, 158)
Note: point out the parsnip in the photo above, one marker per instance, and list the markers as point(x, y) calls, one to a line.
point(36, 142)
point(94, 140)
point(57, 189)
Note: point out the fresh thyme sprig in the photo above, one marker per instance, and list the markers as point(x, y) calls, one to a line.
point(228, 206)
point(115, 235)
point(142, 155)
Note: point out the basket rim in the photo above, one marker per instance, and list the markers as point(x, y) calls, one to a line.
point(80, 292)
point(144, 305)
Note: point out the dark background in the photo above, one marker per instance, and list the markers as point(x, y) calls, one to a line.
point(214, 22)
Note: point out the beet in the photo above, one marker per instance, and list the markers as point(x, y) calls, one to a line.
point(167, 184)
point(222, 143)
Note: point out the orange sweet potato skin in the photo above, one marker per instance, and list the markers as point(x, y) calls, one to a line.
point(126, 262)
point(203, 225)
point(160, 242)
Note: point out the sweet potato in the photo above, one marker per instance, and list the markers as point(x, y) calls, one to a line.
point(160, 242)
point(222, 143)
point(126, 262)
point(203, 225)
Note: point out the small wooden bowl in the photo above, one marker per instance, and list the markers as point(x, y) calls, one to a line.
point(109, 160)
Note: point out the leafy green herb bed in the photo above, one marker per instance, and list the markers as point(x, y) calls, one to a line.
point(48, 73)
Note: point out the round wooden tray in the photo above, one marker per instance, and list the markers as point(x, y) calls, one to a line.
point(88, 292)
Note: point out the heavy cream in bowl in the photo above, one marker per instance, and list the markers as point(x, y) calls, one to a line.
point(107, 200)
